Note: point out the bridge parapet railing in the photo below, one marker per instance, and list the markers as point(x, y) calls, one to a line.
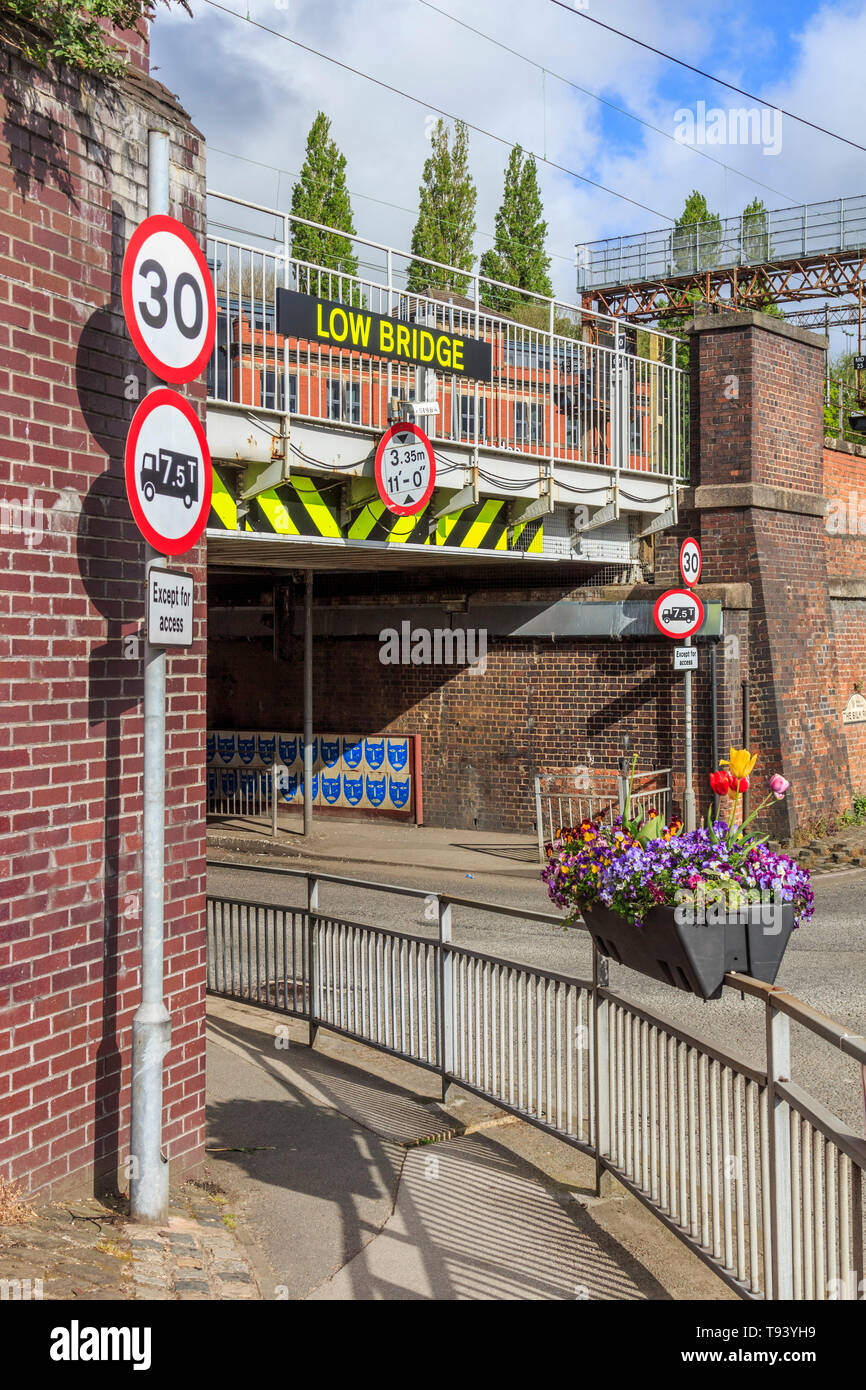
point(567, 385)
point(754, 1174)
point(804, 232)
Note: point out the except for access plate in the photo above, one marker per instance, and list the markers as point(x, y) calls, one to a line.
point(169, 607)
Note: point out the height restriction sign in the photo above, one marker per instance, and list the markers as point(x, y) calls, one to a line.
point(405, 469)
point(168, 299)
point(168, 472)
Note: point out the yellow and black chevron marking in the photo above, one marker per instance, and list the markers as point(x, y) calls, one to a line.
point(223, 507)
point(304, 507)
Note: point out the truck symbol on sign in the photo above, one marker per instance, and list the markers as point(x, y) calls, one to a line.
point(171, 474)
point(678, 615)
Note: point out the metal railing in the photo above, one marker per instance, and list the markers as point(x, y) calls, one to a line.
point(567, 385)
point(784, 234)
point(752, 1173)
point(563, 800)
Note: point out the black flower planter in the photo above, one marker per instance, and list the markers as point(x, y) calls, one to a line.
point(695, 957)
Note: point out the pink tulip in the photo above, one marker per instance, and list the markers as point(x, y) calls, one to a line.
point(779, 785)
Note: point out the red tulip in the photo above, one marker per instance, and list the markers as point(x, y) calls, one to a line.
point(722, 782)
point(744, 784)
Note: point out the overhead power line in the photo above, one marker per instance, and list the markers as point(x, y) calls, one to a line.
point(439, 110)
point(366, 197)
point(660, 52)
point(568, 82)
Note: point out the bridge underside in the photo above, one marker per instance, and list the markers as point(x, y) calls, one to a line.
point(310, 502)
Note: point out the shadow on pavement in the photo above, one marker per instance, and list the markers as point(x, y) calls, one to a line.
point(355, 1202)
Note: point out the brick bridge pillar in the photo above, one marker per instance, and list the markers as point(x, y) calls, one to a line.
point(757, 506)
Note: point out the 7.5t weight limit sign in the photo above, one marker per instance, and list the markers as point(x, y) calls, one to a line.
point(168, 472)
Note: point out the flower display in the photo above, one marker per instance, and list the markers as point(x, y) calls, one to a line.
point(634, 864)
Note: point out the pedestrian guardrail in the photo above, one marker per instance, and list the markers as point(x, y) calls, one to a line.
point(565, 799)
point(749, 1170)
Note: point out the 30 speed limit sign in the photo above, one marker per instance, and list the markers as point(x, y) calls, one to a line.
point(690, 560)
point(168, 299)
point(405, 469)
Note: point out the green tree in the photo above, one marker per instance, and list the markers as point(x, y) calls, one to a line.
point(321, 195)
point(756, 233)
point(755, 246)
point(696, 239)
point(518, 255)
point(445, 229)
point(674, 323)
point(70, 32)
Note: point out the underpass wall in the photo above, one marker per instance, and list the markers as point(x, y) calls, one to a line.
point(538, 706)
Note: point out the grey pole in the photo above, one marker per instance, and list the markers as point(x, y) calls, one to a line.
point(308, 703)
point(689, 793)
point(151, 1026)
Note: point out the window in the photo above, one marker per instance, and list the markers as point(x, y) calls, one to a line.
point(353, 402)
point(344, 401)
point(637, 444)
point(218, 366)
point(467, 417)
point(528, 423)
point(271, 391)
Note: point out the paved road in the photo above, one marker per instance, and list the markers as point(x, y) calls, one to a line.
point(825, 963)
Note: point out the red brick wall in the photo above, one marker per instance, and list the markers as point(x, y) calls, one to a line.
point(768, 431)
point(845, 490)
point(72, 188)
point(538, 706)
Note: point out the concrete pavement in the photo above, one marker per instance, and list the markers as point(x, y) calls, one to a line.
point(335, 843)
point(353, 1182)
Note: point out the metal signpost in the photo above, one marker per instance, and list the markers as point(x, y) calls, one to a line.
point(170, 309)
point(678, 613)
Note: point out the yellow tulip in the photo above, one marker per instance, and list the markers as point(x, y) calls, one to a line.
point(740, 762)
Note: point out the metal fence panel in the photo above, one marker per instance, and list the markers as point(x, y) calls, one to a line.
point(755, 1175)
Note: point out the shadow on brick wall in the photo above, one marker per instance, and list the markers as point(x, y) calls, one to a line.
point(110, 555)
point(38, 144)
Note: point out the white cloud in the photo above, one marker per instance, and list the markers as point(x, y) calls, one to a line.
point(256, 95)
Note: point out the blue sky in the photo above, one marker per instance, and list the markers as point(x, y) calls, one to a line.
point(255, 96)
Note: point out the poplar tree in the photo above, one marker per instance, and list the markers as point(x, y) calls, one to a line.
point(697, 236)
point(518, 254)
point(321, 195)
point(445, 229)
